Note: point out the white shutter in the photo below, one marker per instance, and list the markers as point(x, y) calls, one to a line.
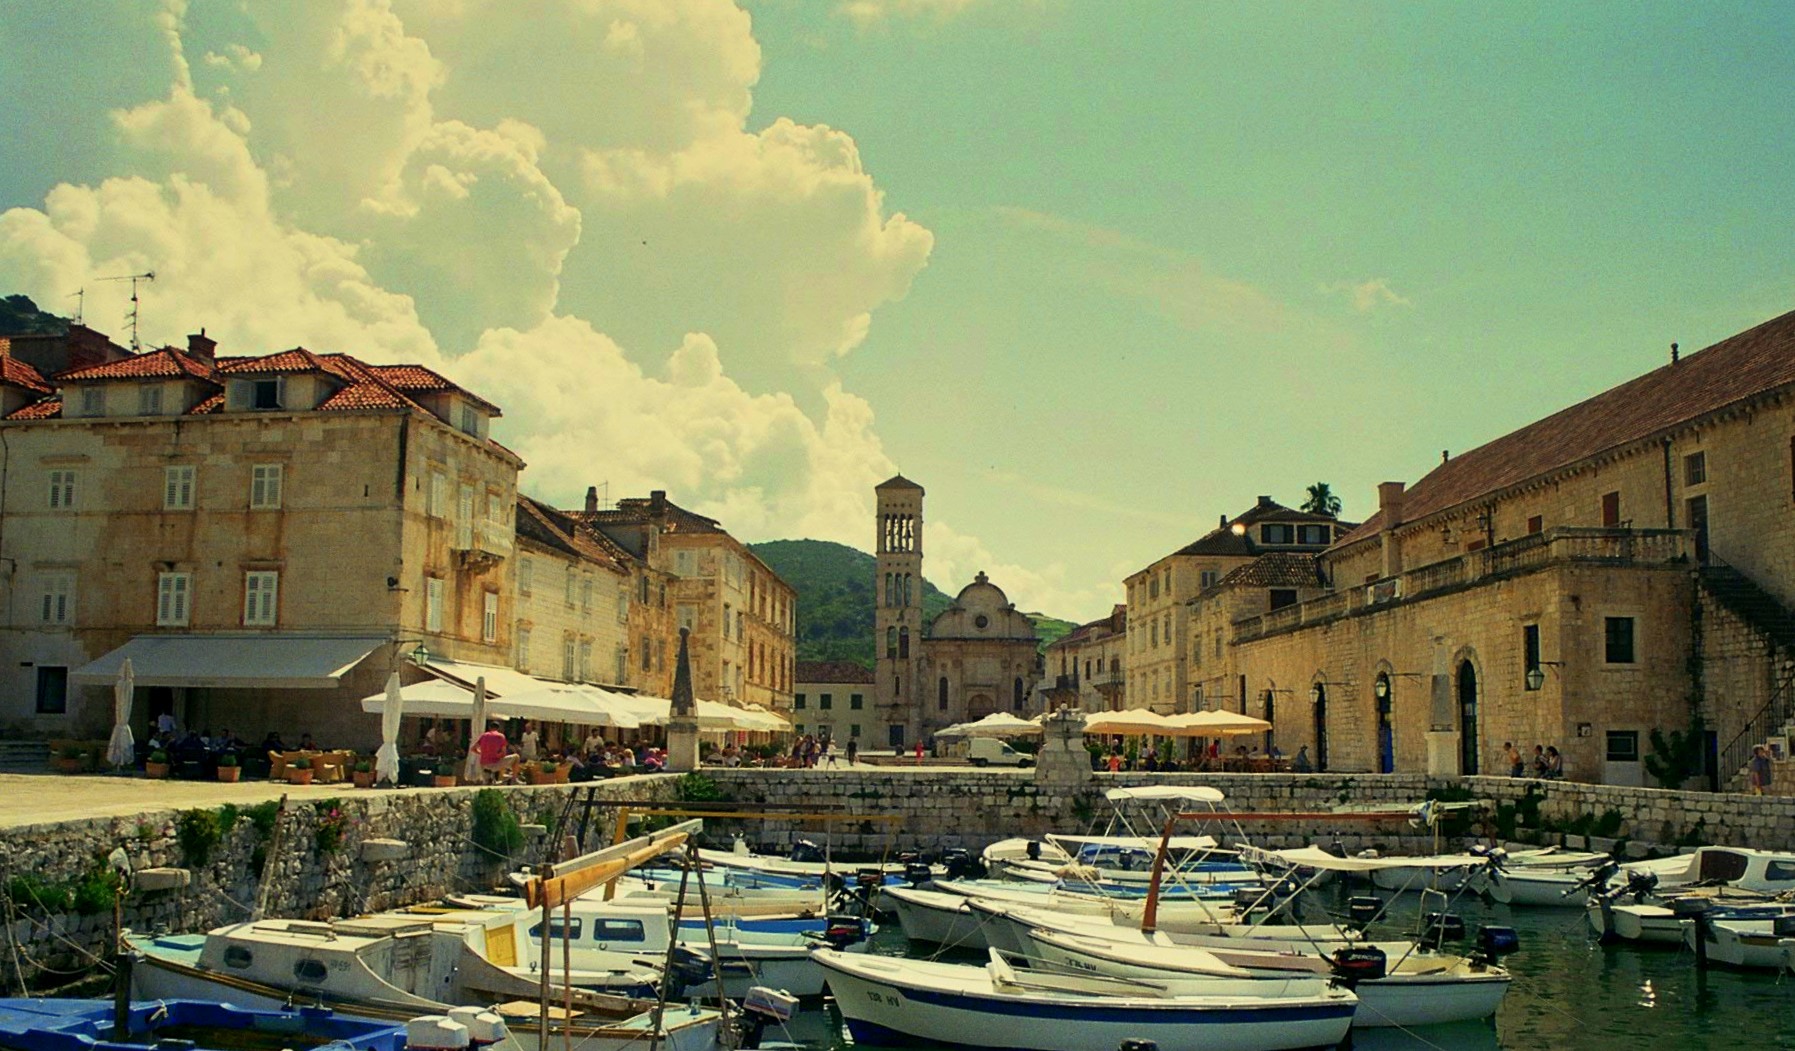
point(237, 393)
point(261, 592)
point(265, 485)
point(171, 599)
point(433, 604)
point(177, 488)
point(464, 519)
point(489, 619)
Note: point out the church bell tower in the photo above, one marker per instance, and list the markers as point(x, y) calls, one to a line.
point(897, 619)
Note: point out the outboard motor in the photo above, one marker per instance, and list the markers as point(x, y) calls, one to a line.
point(1247, 898)
point(1336, 848)
point(1361, 911)
point(1437, 928)
point(761, 1006)
point(1597, 880)
point(1695, 910)
point(1498, 941)
point(1359, 963)
point(962, 865)
point(1640, 885)
point(844, 931)
point(805, 850)
point(1034, 850)
point(688, 968)
point(916, 873)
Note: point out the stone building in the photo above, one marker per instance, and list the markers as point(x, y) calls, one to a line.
point(1159, 664)
point(742, 617)
point(897, 615)
point(264, 537)
point(1086, 668)
point(834, 699)
point(573, 592)
point(1622, 565)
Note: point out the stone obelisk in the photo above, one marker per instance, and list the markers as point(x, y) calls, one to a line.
point(682, 722)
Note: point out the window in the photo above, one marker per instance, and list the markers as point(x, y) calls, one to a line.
point(52, 690)
point(177, 488)
point(470, 421)
point(93, 401)
point(1153, 586)
point(149, 400)
point(266, 394)
point(1535, 524)
point(238, 957)
point(1153, 633)
point(941, 694)
point(1208, 578)
point(62, 490)
point(1276, 533)
point(568, 653)
point(623, 597)
point(586, 594)
point(523, 649)
point(904, 643)
point(688, 617)
point(685, 563)
point(1312, 534)
point(1018, 695)
point(58, 594)
point(559, 929)
point(438, 506)
point(607, 930)
point(856, 701)
point(825, 701)
point(489, 618)
point(622, 660)
point(526, 575)
point(570, 584)
point(647, 654)
point(797, 700)
point(585, 661)
point(1695, 468)
point(264, 486)
point(464, 519)
point(1281, 597)
point(853, 729)
point(172, 595)
point(495, 509)
point(891, 643)
point(741, 622)
point(727, 619)
point(1529, 653)
point(433, 604)
point(1619, 641)
point(261, 591)
point(1611, 509)
point(1623, 746)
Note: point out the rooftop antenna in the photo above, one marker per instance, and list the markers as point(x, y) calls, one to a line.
point(80, 298)
point(131, 316)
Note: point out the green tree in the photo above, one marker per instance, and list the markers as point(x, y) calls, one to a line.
point(1322, 501)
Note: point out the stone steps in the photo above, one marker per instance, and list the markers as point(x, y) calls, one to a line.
point(24, 757)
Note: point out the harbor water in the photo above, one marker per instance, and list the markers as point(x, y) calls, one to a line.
point(1569, 992)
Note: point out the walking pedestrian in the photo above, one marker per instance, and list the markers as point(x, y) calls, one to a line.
point(1511, 756)
point(853, 749)
point(1760, 770)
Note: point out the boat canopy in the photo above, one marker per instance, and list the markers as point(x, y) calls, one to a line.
point(1317, 858)
point(1147, 843)
point(1196, 793)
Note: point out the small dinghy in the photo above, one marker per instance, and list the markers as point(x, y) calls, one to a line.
point(194, 1025)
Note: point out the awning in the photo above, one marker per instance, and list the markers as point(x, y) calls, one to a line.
point(510, 694)
point(265, 662)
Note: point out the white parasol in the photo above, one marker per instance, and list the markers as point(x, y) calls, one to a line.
point(470, 771)
point(122, 751)
point(386, 761)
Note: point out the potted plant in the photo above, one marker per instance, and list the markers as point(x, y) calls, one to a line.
point(445, 776)
point(156, 765)
point(542, 773)
point(69, 759)
point(362, 774)
point(228, 769)
point(563, 770)
point(299, 771)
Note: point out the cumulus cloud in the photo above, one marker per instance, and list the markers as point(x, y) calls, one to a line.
point(1369, 295)
point(868, 13)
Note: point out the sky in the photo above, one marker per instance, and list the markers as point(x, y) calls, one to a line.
point(1093, 273)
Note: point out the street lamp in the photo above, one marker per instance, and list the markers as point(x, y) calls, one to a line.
point(1536, 675)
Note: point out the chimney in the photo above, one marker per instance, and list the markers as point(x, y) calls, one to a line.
point(1389, 502)
point(591, 499)
point(1223, 524)
point(657, 503)
point(202, 347)
point(1445, 455)
point(1673, 353)
point(1265, 501)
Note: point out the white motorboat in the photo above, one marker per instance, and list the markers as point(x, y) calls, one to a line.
point(1006, 928)
point(1413, 988)
point(888, 1001)
point(1544, 859)
point(1545, 888)
point(932, 917)
point(1763, 937)
point(1724, 874)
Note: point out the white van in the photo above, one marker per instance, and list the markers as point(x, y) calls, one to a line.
point(985, 751)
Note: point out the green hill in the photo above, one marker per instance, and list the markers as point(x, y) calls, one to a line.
point(19, 316)
point(835, 599)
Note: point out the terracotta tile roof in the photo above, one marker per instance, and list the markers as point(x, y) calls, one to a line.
point(364, 395)
point(1276, 569)
point(832, 672)
point(558, 530)
point(166, 363)
point(208, 406)
point(48, 409)
point(418, 379)
point(1754, 362)
point(298, 359)
point(636, 510)
point(1223, 540)
point(16, 373)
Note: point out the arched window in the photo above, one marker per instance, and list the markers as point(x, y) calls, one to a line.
point(903, 643)
point(1018, 698)
point(941, 694)
point(891, 643)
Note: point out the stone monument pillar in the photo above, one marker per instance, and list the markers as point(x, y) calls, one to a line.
point(1442, 733)
point(682, 722)
point(1063, 759)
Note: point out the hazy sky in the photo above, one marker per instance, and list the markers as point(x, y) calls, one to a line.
point(1093, 272)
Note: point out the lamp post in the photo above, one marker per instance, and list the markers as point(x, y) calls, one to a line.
point(1536, 675)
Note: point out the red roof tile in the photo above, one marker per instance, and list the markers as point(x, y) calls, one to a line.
point(48, 409)
point(365, 395)
point(1755, 361)
point(417, 378)
point(1276, 569)
point(166, 363)
point(207, 406)
point(298, 359)
point(17, 373)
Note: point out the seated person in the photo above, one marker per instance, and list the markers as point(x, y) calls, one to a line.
point(305, 743)
point(496, 757)
point(653, 761)
point(273, 743)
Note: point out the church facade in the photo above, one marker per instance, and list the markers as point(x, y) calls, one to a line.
point(977, 657)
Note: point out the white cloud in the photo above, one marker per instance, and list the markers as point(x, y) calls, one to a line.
point(869, 13)
point(1367, 295)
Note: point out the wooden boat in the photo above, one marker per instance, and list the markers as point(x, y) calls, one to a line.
point(932, 917)
point(886, 1001)
point(193, 1025)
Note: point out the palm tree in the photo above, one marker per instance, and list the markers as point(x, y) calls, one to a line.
point(1322, 501)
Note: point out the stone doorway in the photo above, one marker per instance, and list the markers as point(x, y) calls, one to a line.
point(1467, 718)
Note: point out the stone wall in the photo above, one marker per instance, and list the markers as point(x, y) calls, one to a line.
point(310, 878)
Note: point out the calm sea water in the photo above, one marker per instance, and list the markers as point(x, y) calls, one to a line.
point(1568, 992)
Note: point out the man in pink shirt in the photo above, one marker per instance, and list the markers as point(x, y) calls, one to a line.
point(496, 757)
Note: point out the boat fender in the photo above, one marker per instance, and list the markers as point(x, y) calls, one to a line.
point(1498, 941)
point(435, 1033)
point(1360, 963)
point(484, 1027)
point(1363, 910)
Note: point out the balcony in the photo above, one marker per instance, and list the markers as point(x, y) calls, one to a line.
point(1565, 545)
point(483, 545)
